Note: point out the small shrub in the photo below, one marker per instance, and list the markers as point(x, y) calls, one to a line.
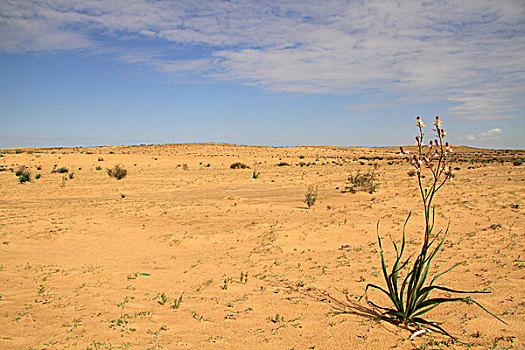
point(62, 170)
point(411, 173)
point(283, 164)
point(100, 159)
point(70, 175)
point(517, 162)
point(24, 176)
point(98, 168)
point(117, 172)
point(366, 182)
point(239, 165)
point(256, 174)
point(21, 170)
point(37, 176)
point(311, 196)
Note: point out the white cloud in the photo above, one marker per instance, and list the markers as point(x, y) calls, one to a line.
point(469, 52)
point(489, 135)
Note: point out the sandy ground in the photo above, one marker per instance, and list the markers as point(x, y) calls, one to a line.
point(159, 258)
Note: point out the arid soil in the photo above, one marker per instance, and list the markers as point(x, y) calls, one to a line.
point(186, 253)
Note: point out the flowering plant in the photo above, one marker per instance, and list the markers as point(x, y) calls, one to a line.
point(411, 296)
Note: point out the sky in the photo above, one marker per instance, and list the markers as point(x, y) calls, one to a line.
point(260, 72)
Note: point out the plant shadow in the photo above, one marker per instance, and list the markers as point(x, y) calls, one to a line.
point(339, 306)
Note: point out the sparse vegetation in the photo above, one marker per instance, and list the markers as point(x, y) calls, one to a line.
point(311, 196)
point(517, 162)
point(238, 252)
point(23, 174)
point(366, 182)
point(21, 170)
point(117, 172)
point(62, 170)
point(239, 165)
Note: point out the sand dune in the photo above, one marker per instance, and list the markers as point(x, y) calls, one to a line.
point(186, 253)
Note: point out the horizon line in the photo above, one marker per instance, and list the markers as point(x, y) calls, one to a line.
point(233, 144)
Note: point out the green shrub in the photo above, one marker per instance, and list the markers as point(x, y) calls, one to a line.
point(256, 174)
point(98, 168)
point(311, 196)
point(37, 176)
point(24, 177)
point(23, 174)
point(283, 164)
point(239, 165)
point(21, 170)
point(517, 162)
point(366, 182)
point(62, 170)
point(100, 159)
point(117, 172)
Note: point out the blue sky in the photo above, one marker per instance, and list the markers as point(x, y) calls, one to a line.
point(260, 72)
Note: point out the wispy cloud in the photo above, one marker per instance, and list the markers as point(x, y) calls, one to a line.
point(371, 105)
point(469, 52)
point(488, 135)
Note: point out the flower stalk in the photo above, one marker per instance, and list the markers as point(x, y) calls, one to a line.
point(411, 296)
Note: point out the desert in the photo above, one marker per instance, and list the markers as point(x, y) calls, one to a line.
point(185, 252)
